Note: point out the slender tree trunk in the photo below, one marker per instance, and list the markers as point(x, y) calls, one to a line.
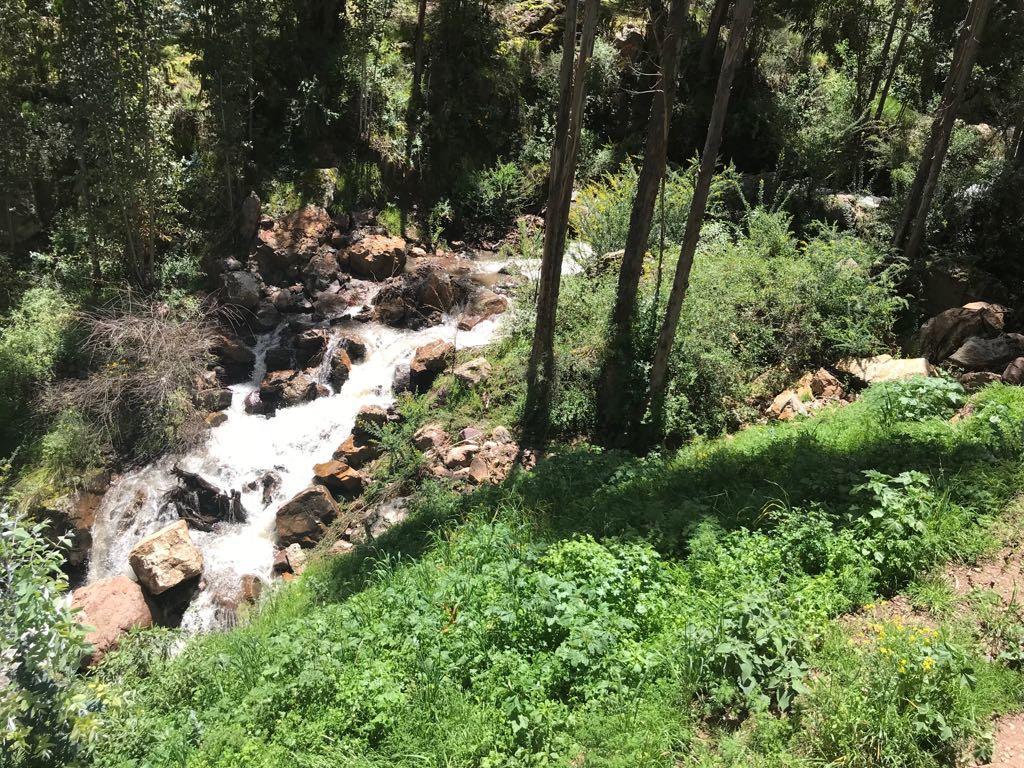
point(610, 397)
point(541, 368)
point(412, 111)
point(707, 52)
point(733, 56)
point(894, 66)
point(876, 81)
point(915, 214)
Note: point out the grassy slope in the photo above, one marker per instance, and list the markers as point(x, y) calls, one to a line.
point(607, 610)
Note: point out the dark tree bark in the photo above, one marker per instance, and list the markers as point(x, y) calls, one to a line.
point(413, 109)
point(541, 369)
point(707, 53)
point(894, 66)
point(610, 401)
point(876, 81)
point(733, 56)
point(915, 213)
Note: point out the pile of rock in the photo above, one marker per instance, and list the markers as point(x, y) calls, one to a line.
point(812, 392)
point(975, 341)
point(309, 269)
point(168, 567)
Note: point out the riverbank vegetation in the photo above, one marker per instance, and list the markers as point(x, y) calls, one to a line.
point(694, 561)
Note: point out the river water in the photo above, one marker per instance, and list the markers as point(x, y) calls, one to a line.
point(244, 448)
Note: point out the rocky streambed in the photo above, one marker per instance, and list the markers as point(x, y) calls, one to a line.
point(331, 319)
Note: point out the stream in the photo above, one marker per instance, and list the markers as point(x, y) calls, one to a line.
point(238, 453)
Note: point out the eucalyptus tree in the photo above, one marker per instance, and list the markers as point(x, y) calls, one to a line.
point(110, 54)
point(734, 53)
point(571, 80)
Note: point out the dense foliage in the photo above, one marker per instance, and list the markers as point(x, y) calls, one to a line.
point(606, 607)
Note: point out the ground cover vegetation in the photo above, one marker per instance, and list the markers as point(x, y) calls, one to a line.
point(675, 582)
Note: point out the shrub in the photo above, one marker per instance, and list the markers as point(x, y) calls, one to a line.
point(916, 398)
point(34, 338)
point(145, 360)
point(44, 708)
point(894, 695)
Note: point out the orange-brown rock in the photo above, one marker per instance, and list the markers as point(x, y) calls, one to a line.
point(109, 608)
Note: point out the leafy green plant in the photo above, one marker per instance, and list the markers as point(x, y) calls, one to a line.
point(46, 710)
point(917, 398)
point(896, 695)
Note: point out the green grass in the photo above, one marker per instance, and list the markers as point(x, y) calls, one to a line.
point(607, 610)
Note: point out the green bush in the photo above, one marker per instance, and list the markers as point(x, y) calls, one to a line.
point(917, 398)
point(33, 339)
point(895, 696)
point(46, 710)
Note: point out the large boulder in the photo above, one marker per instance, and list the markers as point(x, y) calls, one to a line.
point(321, 269)
point(108, 609)
point(72, 516)
point(249, 217)
point(356, 452)
point(341, 367)
point(241, 289)
point(286, 388)
point(234, 357)
point(166, 558)
point(981, 354)
point(946, 332)
point(202, 504)
point(472, 372)
point(1014, 372)
point(292, 240)
point(484, 305)
point(428, 363)
point(376, 257)
point(369, 420)
point(885, 368)
point(310, 346)
point(419, 298)
point(304, 519)
point(339, 478)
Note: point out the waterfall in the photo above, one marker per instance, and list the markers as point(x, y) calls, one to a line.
point(239, 452)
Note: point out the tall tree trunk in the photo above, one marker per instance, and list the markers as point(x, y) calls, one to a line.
point(733, 56)
point(541, 369)
point(717, 18)
point(915, 214)
point(894, 66)
point(412, 111)
point(610, 401)
point(876, 81)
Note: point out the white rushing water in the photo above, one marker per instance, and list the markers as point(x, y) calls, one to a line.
point(239, 452)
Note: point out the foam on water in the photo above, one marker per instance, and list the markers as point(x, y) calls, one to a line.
point(242, 450)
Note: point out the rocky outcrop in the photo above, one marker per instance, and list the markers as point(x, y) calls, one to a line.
point(1014, 372)
point(885, 368)
point(72, 516)
point(339, 478)
point(234, 357)
point(811, 393)
point(369, 420)
point(310, 346)
point(429, 362)
point(357, 452)
point(945, 333)
point(980, 354)
point(484, 305)
point(420, 298)
point(376, 257)
point(166, 559)
point(341, 367)
point(292, 240)
point(201, 504)
point(241, 289)
point(431, 437)
point(285, 388)
point(304, 519)
point(108, 609)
